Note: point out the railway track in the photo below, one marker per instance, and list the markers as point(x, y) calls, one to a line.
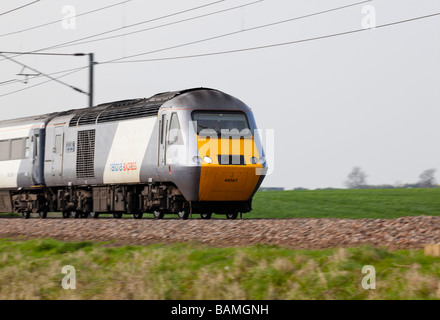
point(401, 233)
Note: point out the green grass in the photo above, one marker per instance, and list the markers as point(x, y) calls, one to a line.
point(350, 204)
point(32, 270)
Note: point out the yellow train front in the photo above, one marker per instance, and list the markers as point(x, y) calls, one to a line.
point(210, 152)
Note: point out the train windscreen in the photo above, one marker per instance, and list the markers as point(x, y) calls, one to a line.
point(230, 123)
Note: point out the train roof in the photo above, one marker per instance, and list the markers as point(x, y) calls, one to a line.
point(125, 109)
point(35, 120)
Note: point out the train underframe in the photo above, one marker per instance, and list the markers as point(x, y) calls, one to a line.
point(119, 200)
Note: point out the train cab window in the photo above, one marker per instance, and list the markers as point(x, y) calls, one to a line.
point(4, 150)
point(175, 135)
point(58, 144)
point(209, 122)
point(17, 149)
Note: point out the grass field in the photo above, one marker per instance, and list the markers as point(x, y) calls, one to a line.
point(350, 204)
point(32, 270)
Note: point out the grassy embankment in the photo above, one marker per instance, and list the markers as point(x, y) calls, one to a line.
point(32, 270)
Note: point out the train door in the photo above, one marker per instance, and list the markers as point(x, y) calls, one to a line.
point(37, 143)
point(57, 151)
point(163, 132)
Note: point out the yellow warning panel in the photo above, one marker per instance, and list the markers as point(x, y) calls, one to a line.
point(227, 183)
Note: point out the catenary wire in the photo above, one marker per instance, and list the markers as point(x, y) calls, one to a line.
point(164, 25)
point(124, 27)
point(276, 44)
point(18, 8)
point(229, 34)
point(41, 83)
point(255, 48)
point(40, 75)
point(236, 32)
point(46, 75)
point(60, 20)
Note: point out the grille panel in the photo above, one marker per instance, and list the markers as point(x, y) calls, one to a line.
point(85, 156)
point(237, 160)
point(115, 112)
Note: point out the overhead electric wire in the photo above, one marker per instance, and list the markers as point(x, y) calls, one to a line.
point(276, 44)
point(43, 53)
point(124, 27)
point(41, 83)
point(60, 20)
point(7, 81)
point(46, 75)
point(246, 49)
point(224, 35)
point(3, 13)
point(40, 75)
point(165, 25)
point(237, 32)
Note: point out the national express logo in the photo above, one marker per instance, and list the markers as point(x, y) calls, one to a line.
point(123, 166)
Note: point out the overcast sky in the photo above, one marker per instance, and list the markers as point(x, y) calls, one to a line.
point(368, 99)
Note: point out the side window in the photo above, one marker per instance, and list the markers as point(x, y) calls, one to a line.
point(162, 129)
point(58, 144)
point(4, 150)
point(26, 148)
point(17, 149)
point(37, 145)
point(174, 136)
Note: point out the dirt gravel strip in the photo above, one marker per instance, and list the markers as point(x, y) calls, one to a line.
point(402, 233)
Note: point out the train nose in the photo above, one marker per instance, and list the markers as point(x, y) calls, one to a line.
point(228, 173)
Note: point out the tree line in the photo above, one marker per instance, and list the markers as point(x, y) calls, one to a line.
point(357, 179)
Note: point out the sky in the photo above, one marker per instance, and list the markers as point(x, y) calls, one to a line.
point(369, 99)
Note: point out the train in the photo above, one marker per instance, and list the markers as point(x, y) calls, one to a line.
point(194, 151)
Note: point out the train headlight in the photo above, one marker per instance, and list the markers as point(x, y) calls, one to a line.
point(262, 160)
point(197, 160)
point(207, 159)
point(254, 160)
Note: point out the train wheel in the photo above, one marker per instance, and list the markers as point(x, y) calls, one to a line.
point(43, 214)
point(26, 214)
point(85, 215)
point(117, 215)
point(206, 215)
point(77, 215)
point(158, 214)
point(183, 214)
point(232, 215)
point(66, 214)
point(138, 215)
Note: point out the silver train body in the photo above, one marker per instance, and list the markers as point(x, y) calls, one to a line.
point(191, 151)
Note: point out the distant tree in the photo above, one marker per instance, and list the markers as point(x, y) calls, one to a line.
point(427, 179)
point(356, 179)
